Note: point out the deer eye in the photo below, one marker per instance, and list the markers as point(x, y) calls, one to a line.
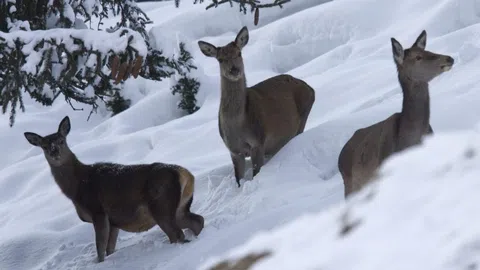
point(418, 57)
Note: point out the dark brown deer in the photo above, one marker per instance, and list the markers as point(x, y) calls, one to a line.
point(133, 198)
point(370, 146)
point(256, 121)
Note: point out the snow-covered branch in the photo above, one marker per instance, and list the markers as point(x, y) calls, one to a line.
point(47, 49)
point(75, 63)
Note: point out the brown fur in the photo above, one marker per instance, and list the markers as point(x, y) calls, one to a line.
point(132, 198)
point(187, 182)
point(366, 150)
point(256, 121)
point(244, 263)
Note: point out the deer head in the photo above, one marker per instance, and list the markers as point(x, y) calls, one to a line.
point(418, 64)
point(229, 56)
point(54, 146)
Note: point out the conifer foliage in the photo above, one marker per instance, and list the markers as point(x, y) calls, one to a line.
point(186, 86)
point(243, 4)
point(52, 48)
point(254, 5)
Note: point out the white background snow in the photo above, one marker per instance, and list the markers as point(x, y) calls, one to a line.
point(342, 49)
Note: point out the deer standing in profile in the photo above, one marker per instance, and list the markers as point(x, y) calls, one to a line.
point(370, 146)
point(112, 196)
point(256, 121)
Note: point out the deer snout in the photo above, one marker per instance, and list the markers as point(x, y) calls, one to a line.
point(234, 71)
point(54, 150)
point(449, 63)
point(450, 60)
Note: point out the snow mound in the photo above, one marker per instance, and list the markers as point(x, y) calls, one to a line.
point(422, 210)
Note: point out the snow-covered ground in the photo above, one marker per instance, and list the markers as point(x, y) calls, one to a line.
point(423, 217)
point(342, 49)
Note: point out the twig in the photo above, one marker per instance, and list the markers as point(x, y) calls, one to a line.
point(253, 3)
point(71, 105)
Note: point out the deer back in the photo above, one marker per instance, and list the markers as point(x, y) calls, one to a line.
point(278, 103)
point(367, 149)
point(124, 184)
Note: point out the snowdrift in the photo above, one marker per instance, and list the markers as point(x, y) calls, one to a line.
point(342, 49)
point(420, 214)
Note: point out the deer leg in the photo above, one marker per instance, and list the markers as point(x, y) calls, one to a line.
point(189, 220)
point(198, 222)
point(112, 240)
point(164, 194)
point(164, 213)
point(347, 190)
point(101, 226)
point(258, 159)
point(171, 229)
point(239, 166)
point(430, 129)
point(346, 184)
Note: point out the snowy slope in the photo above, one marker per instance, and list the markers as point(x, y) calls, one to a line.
point(420, 218)
point(341, 48)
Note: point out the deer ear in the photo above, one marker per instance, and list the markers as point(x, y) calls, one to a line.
point(207, 49)
point(33, 138)
point(421, 41)
point(397, 50)
point(242, 37)
point(64, 127)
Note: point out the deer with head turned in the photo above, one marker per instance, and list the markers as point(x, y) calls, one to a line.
point(132, 198)
point(256, 121)
point(368, 147)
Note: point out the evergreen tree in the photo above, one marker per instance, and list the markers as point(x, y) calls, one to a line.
point(48, 50)
point(186, 86)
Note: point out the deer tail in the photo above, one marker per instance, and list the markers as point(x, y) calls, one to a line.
point(187, 184)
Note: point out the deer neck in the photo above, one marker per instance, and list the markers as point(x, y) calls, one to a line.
point(69, 175)
point(415, 115)
point(233, 97)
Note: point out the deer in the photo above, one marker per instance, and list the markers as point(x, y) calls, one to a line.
point(112, 196)
point(365, 151)
point(256, 121)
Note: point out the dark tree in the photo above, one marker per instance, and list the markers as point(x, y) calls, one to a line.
point(187, 87)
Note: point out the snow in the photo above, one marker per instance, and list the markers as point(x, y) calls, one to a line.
point(415, 218)
point(101, 41)
point(69, 13)
point(18, 25)
point(294, 206)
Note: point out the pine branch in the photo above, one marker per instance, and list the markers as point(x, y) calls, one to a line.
point(186, 86)
point(131, 16)
point(40, 64)
point(254, 4)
